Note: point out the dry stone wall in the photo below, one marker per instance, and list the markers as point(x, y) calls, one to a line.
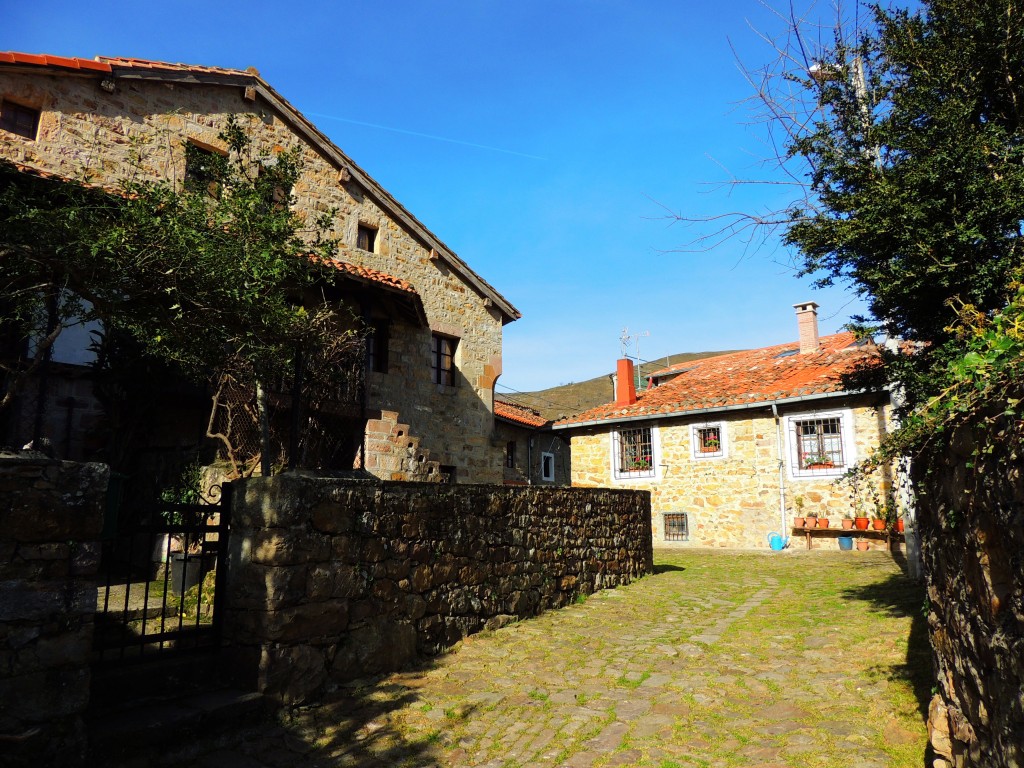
point(333, 579)
point(51, 515)
point(970, 516)
point(733, 500)
point(86, 132)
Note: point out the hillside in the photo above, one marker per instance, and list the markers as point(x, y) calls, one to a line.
point(568, 399)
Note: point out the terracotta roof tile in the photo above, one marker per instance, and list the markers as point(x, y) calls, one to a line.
point(128, 62)
point(45, 60)
point(365, 273)
point(518, 413)
point(751, 377)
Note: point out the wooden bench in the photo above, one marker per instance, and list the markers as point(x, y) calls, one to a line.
point(836, 532)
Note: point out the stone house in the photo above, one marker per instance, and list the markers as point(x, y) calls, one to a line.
point(435, 351)
point(534, 454)
point(732, 446)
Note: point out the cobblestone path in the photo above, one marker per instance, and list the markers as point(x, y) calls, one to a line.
point(718, 659)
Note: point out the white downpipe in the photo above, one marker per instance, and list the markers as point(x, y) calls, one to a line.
point(782, 471)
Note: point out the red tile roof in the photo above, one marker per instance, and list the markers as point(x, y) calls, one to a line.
point(518, 413)
point(750, 378)
point(367, 274)
point(45, 60)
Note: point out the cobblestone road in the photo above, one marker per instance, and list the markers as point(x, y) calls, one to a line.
point(718, 659)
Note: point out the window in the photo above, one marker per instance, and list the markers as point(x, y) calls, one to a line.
point(819, 444)
point(377, 347)
point(677, 527)
point(276, 190)
point(204, 169)
point(633, 452)
point(19, 119)
point(442, 359)
point(510, 454)
point(708, 440)
point(447, 472)
point(366, 237)
point(547, 467)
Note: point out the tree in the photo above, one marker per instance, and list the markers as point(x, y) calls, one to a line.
point(208, 279)
point(904, 134)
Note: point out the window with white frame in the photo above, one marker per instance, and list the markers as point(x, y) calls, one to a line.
point(633, 453)
point(547, 467)
point(708, 440)
point(820, 444)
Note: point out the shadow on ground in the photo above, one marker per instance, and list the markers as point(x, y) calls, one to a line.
point(902, 597)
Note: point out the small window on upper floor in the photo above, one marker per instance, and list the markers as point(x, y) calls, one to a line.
point(205, 168)
point(19, 119)
point(377, 343)
point(510, 454)
point(442, 359)
point(366, 238)
point(708, 440)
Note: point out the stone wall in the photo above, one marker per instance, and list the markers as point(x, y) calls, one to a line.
point(732, 500)
point(51, 514)
point(85, 131)
point(970, 516)
point(333, 579)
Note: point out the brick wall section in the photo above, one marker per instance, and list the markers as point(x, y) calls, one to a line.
point(50, 519)
point(86, 132)
point(731, 501)
point(333, 579)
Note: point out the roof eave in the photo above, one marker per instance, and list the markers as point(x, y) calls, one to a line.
point(721, 409)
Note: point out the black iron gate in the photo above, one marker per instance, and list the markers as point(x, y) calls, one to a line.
point(162, 581)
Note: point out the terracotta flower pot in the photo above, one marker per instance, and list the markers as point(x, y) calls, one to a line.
point(823, 522)
point(811, 522)
point(798, 522)
point(899, 525)
point(862, 546)
point(847, 524)
point(878, 525)
point(861, 523)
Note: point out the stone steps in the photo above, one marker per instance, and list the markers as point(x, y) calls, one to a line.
point(155, 713)
point(393, 454)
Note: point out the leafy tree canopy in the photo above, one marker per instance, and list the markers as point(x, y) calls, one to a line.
point(201, 277)
point(916, 174)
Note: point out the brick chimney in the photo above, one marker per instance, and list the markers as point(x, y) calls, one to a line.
point(625, 384)
point(807, 325)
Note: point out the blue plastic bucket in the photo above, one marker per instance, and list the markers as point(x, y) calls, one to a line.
point(846, 543)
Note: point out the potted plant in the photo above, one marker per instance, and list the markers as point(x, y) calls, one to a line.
point(818, 461)
point(710, 445)
point(861, 523)
point(848, 521)
point(863, 545)
point(878, 523)
point(798, 519)
point(186, 513)
point(811, 521)
point(822, 522)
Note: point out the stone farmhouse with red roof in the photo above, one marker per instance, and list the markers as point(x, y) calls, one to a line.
point(436, 347)
point(534, 455)
point(728, 444)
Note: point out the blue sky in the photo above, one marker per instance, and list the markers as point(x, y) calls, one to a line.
point(544, 142)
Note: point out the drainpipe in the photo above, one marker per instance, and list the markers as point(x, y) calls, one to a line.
point(782, 469)
point(529, 460)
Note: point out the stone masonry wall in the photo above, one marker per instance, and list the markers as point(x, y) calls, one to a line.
point(731, 501)
point(333, 579)
point(970, 515)
point(51, 513)
point(87, 132)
